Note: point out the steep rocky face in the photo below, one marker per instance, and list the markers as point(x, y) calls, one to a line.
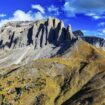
point(15, 34)
point(27, 41)
point(38, 34)
point(70, 35)
point(22, 42)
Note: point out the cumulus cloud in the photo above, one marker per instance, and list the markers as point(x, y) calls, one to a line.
point(95, 16)
point(101, 24)
point(103, 31)
point(20, 15)
point(38, 16)
point(2, 15)
point(98, 32)
point(53, 10)
point(84, 6)
point(90, 33)
point(39, 7)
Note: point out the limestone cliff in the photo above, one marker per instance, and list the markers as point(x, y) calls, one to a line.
point(38, 34)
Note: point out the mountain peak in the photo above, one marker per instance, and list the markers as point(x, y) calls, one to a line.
point(30, 40)
point(38, 33)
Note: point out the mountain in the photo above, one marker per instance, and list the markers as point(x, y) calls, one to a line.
point(22, 42)
point(39, 34)
point(44, 63)
point(27, 41)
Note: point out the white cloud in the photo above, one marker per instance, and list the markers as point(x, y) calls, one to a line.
point(39, 7)
point(20, 15)
point(91, 14)
point(95, 16)
point(98, 32)
point(53, 10)
point(94, 7)
point(103, 31)
point(70, 11)
point(2, 15)
point(101, 24)
point(38, 16)
point(89, 33)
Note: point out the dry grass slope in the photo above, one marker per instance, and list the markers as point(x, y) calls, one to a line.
point(75, 78)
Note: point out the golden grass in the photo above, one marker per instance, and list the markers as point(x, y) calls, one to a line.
point(53, 85)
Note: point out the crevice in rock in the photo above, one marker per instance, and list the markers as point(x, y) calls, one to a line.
point(29, 36)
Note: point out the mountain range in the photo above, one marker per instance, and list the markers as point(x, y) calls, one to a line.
point(44, 63)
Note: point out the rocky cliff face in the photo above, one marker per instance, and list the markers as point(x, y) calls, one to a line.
point(27, 41)
point(38, 34)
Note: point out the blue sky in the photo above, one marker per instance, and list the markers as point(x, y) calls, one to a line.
point(87, 15)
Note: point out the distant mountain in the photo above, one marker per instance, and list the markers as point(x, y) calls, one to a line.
point(44, 63)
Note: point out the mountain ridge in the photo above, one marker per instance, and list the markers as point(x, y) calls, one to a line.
point(40, 33)
point(25, 41)
point(69, 79)
point(44, 63)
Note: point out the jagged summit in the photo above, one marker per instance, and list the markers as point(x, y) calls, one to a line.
point(24, 41)
point(38, 33)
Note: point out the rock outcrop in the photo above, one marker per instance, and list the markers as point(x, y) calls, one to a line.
point(70, 35)
point(27, 41)
point(38, 34)
point(22, 42)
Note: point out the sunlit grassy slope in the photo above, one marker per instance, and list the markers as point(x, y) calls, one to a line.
point(54, 81)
